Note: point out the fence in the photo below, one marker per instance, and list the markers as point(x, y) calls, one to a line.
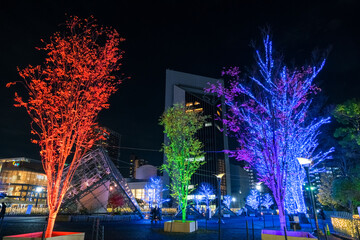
point(345, 223)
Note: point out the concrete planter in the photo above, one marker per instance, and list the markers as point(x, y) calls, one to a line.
point(55, 236)
point(179, 226)
point(279, 235)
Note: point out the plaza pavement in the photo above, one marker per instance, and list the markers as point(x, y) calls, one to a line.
point(234, 228)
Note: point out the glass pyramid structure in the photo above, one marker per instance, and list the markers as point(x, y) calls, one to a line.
point(95, 185)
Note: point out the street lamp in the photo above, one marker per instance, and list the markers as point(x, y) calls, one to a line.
point(306, 163)
point(38, 190)
point(218, 177)
point(259, 188)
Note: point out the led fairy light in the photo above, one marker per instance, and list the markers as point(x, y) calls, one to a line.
point(268, 116)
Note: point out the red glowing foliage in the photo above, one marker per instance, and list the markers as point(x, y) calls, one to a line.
point(116, 200)
point(64, 97)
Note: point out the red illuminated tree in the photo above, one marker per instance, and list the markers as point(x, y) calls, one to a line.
point(116, 200)
point(64, 97)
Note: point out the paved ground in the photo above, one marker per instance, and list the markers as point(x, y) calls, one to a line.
point(234, 228)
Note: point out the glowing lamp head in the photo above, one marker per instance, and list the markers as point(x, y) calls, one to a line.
point(219, 176)
point(233, 199)
point(304, 161)
point(258, 186)
point(38, 189)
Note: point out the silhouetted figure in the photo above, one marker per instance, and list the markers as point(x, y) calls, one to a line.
point(322, 214)
point(3, 211)
point(158, 214)
point(155, 212)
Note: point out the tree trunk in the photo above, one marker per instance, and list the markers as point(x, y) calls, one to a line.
point(51, 222)
point(183, 213)
point(282, 216)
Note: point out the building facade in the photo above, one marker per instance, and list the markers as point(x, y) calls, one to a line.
point(23, 180)
point(111, 144)
point(188, 89)
point(135, 163)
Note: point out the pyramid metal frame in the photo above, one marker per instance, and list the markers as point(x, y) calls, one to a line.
point(97, 170)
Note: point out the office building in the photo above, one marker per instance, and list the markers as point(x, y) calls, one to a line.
point(188, 89)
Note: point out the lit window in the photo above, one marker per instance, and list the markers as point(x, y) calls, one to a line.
point(189, 104)
point(198, 109)
point(196, 103)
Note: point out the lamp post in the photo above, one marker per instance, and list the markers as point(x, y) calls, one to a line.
point(219, 176)
point(38, 190)
point(306, 163)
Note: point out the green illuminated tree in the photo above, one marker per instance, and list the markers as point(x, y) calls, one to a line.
point(348, 115)
point(183, 150)
point(346, 191)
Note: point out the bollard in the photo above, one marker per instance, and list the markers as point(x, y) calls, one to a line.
point(285, 233)
point(326, 238)
point(44, 230)
point(247, 230)
point(253, 231)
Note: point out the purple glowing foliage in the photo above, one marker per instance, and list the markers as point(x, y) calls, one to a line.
point(153, 192)
point(253, 199)
point(267, 201)
point(227, 201)
point(266, 114)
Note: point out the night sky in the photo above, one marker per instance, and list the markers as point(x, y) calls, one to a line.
point(198, 37)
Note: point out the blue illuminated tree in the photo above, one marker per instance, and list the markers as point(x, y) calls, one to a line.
point(253, 199)
point(197, 200)
point(227, 201)
point(267, 201)
point(153, 192)
point(207, 191)
point(267, 113)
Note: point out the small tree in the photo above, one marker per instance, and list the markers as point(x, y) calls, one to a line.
point(65, 96)
point(346, 190)
point(207, 191)
point(227, 201)
point(197, 200)
point(115, 201)
point(153, 192)
point(183, 150)
point(253, 199)
point(267, 201)
point(325, 195)
point(348, 134)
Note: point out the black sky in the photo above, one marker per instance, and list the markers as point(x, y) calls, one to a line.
point(198, 37)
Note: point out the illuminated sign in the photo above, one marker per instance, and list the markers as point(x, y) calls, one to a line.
point(16, 164)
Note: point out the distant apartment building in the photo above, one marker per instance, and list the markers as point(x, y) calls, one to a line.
point(135, 163)
point(111, 144)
